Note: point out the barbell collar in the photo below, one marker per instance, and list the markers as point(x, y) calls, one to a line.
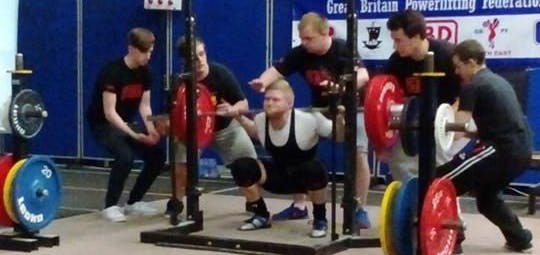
point(35, 113)
point(394, 124)
point(451, 224)
point(20, 72)
point(456, 126)
point(41, 192)
point(396, 110)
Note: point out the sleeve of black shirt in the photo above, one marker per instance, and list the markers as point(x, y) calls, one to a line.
point(290, 63)
point(107, 80)
point(390, 64)
point(228, 85)
point(467, 99)
point(147, 78)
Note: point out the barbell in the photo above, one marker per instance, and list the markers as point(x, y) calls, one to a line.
point(206, 113)
point(27, 113)
point(388, 115)
point(165, 117)
point(30, 190)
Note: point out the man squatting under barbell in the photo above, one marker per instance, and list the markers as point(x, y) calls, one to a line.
point(291, 137)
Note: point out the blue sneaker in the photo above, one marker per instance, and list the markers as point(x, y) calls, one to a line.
point(320, 228)
point(361, 219)
point(291, 213)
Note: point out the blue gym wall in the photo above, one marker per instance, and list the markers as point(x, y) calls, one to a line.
point(48, 39)
point(234, 32)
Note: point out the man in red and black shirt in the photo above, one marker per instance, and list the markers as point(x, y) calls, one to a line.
point(122, 90)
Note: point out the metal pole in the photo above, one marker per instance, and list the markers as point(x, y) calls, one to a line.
point(350, 101)
point(171, 148)
point(80, 87)
point(192, 192)
point(426, 139)
point(20, 144)
point(169, 52)
point(269, 32)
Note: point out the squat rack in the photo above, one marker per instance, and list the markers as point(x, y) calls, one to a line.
point(181, 235)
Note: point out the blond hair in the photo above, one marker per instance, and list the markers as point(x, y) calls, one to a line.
point(315, 21)
point(283, 86)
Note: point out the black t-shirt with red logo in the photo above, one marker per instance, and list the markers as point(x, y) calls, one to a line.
point(222, 83)
point(128, 85)
point(317, 68)
point(403, 69)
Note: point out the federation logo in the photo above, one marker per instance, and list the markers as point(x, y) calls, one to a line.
point(491, 26)
point(373, 41)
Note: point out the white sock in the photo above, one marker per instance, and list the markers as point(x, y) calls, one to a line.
point(300, 205)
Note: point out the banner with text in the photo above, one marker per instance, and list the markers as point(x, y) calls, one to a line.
point(508, 29)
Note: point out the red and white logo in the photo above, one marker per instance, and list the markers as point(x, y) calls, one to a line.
point(491, 26)
point(442, 29)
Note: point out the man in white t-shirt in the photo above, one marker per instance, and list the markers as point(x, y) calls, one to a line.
point(290, 136)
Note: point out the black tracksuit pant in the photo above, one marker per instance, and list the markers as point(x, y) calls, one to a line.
point(124, 150)
point(485, 172)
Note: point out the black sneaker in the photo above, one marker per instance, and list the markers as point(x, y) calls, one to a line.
point(173, 206)
point(525, 246)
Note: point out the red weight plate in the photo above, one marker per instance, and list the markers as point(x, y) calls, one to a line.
point(383, 91)
point(439, 208)
point(6, 162)
point(205, 119)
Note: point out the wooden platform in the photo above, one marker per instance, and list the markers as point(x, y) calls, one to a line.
point(90, 234)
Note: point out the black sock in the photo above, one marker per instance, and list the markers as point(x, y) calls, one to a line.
point(319, 211)
point(260, 208)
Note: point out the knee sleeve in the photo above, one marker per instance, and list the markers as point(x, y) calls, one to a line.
point(315, 174)
point(245, 171)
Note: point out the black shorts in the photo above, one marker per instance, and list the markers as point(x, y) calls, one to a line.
point(285, 180)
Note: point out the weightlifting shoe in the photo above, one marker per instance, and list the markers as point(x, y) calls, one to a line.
point(141, 208)
point(255, 222)
point(113, 214)
point(320, 227)
point(291, 213)
point(524, 246)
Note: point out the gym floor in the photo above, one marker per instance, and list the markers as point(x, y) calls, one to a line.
point(83, 231)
